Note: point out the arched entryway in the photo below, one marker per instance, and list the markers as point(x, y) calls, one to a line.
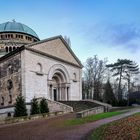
point(59, 86)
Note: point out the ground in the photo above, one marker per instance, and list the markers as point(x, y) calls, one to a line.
point(53, 128)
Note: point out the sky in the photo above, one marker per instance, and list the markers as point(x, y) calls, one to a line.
point(107, 28)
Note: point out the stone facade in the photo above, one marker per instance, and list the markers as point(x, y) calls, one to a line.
point(35, 72)
point(34, 68)
point(10, 79)
point(50, 77)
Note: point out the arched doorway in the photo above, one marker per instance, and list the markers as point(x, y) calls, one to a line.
point(59, 86)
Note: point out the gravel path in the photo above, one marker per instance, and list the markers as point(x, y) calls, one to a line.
point(53, 128)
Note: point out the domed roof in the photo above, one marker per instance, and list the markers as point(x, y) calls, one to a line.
point(17, 27)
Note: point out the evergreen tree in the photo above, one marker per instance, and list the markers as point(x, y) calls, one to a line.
point(35, 107)
point(20, 107)
point(109, 96)
point(44, 106)
point(123, 69)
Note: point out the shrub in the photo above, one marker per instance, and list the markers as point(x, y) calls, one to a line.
point(35, 107)
point(122, 102)
point(44, 106)
point(20, 107)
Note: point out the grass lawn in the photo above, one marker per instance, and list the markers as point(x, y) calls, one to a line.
point(92, 118)
point(124, 129)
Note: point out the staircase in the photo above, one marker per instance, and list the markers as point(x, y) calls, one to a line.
point(58, 106)
point(80, 105)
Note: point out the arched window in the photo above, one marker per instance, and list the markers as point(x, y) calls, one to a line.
point(9, 84)
point(2, 100)
point(74, 74)
point(39, 67)
point(9, 35)
point(6, 49)
point(10, 49)
point(10, 100)
point(74, 77)
point(9, 69)
point(14, 48)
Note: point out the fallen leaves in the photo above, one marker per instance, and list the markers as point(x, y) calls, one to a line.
point(124, 129)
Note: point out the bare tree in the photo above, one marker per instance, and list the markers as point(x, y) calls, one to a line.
point(67, 39)
point(94, 75)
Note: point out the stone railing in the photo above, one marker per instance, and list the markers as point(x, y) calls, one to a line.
point(57, 106)
point(95, 110)
point(107, 107)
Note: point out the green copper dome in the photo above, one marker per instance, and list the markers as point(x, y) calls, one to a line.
point(17, 27)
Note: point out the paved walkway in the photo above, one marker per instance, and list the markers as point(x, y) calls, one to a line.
point(53, 128)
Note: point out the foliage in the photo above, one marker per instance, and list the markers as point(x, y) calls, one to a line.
point(44, 106)
point(92, 118)
point(108, 96)
point(124, 129)
point(123, 69)
point(35, 107)
point(93, 77)
point(20, 107)
point(122, 102)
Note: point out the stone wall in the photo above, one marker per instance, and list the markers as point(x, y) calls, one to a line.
point(88, 112)
point(10, 80)
point(57, 106)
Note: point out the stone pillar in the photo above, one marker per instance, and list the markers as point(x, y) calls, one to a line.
point(50, 90)
point(65, 93)
point(62, 93)
point(57, 94)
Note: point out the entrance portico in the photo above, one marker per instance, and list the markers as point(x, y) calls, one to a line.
point(59, 86)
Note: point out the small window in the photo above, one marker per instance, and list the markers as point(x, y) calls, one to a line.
point(74, 77)
point(39, 69)
point(10, 49)
point(9, 114)
point(10, 99)
point(2, 100)
point(9, 84)
point(9, 69)
point(35, 40)
point(6, 49)
point(14, 48)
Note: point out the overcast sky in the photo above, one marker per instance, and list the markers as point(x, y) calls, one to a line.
point(108, 28)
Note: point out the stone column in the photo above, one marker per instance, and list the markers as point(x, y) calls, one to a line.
point(62, 93)
point(58, 95)
point(50, 90)
point(65, 93)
